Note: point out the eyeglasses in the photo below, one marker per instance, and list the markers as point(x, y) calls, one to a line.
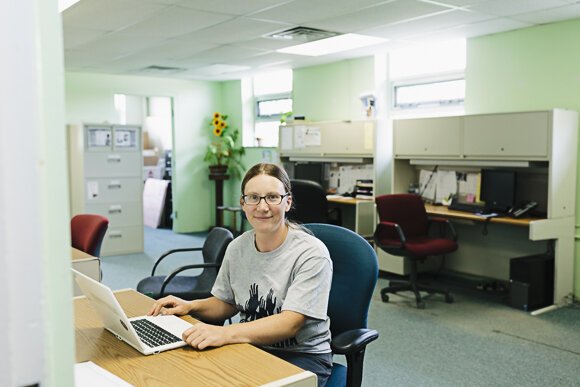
point(272, 199)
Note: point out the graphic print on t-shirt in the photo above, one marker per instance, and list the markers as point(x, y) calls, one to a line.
point(257, 307)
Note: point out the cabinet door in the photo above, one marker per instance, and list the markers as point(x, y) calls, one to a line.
point(510, 135)
point(428, 137)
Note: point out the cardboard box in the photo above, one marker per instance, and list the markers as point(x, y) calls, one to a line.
point(146, 143)
point(150, 157)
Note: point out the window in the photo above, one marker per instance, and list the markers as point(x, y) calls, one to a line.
point(427, 81)
point(271, 99)
point(429, 94)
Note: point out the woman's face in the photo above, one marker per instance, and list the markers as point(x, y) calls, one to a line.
point(266, 218)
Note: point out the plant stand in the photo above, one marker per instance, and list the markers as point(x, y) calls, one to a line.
point(219, 178)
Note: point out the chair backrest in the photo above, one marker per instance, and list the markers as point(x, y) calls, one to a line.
point(213, 251)
point(87, 232)
point(310, 203)
point(407, 210)
point(215, 245)
point(354, 276)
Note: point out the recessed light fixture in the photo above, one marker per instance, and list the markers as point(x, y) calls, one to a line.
point(332, 45)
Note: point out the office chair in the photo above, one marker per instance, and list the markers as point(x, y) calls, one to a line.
point(403, 230)
point(190, 287)
point(310, 203)
point(87, 232)
point(354, 276)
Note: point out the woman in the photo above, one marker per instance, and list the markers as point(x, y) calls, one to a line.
point(277, 276)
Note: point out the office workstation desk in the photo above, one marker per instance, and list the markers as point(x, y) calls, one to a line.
point(231, 365)
point(357, 215)
point(509, 233)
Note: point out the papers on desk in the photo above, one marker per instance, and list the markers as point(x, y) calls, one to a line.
point(440, 186)
point(88, 374)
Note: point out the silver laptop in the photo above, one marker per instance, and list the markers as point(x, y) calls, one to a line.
point(147, 334)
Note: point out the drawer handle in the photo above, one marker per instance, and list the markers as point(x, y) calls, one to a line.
point(116, 234)
point(113, 158)
point(114, 185)
point(115, 209)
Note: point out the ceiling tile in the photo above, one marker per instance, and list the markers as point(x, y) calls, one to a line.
point(380, 15)
point(108, 15)
point(174, 21)
point(74, 37)
point(550, 15)
point(304, 11)
point(230, 7)
point(236, 30)
point(431, 23)
point(514, 7)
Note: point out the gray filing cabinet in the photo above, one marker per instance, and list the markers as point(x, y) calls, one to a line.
point(106, 178)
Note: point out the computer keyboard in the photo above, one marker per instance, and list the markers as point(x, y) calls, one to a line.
point(152, 334)
point(467, 207)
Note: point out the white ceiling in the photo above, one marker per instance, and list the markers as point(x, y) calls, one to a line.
point(226, 39)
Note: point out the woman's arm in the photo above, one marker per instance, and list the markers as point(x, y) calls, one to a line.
point(265, 331)
point(209, 309)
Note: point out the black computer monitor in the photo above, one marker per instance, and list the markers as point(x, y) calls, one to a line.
point(309, 171)
point(498, 189)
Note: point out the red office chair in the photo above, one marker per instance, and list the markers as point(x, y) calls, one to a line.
point(87, 232)
point(403, 230)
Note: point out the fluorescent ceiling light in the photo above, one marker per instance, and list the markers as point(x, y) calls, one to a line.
point(332, 45)
point(64, 4)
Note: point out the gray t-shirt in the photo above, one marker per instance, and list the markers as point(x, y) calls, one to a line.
point(296, 276)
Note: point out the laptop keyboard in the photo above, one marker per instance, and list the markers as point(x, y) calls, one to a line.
point(153, 335)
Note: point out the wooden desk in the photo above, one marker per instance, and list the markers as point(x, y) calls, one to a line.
point(357, 215)
point(231, 365)
point(445, 212)
point(86, 264)
point(561, 231)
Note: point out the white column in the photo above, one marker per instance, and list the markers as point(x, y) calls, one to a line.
point(36, 330)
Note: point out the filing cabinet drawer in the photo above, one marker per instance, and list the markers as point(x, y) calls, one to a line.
point(114, 164)
point(123, 240)
point(120, 213)
point(113, 190)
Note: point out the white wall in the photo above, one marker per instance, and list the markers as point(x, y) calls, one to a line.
point(37, 336)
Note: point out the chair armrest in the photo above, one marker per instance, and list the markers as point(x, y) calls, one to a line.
point(165, 254)
point(172, 275)
point(394, 226)
point(447, 223)
point(353, 341)
point(352, 344)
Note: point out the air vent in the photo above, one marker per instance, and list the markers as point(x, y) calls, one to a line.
point(161, 70)
point(302, 34)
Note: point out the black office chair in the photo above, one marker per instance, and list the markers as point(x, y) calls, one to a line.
point(190, 287)
point(403, 230)
point(354, 277)
point(310, 204)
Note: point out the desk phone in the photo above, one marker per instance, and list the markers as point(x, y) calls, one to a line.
point(524, 209)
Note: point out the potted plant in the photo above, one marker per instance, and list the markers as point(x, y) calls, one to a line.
point(222, 154)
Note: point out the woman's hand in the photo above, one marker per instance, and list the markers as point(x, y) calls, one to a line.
point(170, 305)
point(201, 336)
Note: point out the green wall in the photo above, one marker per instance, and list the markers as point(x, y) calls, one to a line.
point(89, 98)
point(530, 69)
point(331, 92)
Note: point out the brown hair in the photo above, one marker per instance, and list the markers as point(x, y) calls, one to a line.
point(278, 173)
point(270, 170)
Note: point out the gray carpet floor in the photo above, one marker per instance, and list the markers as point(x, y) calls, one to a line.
point(475, 341)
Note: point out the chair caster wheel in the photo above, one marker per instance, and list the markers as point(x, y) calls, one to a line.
point(420, 305)
point(385, 297)
point(449, 298)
